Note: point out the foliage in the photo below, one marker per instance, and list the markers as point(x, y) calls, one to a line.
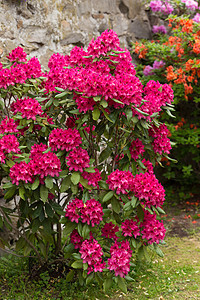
point(77, 146)
point(174, 59)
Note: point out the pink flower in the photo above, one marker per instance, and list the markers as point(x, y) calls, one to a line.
point(109, 230)
point(8, 125)
point(37, 150)
point(161, 142)
point(159, 29)
point(152, 230)
point(91, 253)
point(73, 210)
point(148, 71)
point(158, 64)
point(103, 44)
point(92, 178)
point(9, 143)
point(130, 228)
point(120, 258)
point(120, 181)
point(76, 239)
point(44, 164)
point(78, 159)
point(28, 107)
point(148, 165)
point(147, 188)
point(20, 171)
point(197, 18)
point(18, 55)
point(64, 139)
point(92, 212)
point(136, 149)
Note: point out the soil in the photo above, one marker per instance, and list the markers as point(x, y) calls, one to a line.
point(183, 219)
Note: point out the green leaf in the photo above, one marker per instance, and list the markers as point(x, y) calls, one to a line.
point(65, 184)
point(75, 178)
point(108, 196)
point(133, 202)
point(160, 210)
point(140, 111)
point(69, 227)
point(44, 193)
point(61, 95)
point(49, 182)
point(128, 278)
point(89, 278)
point(84, 183)
point(86, 231)
point(78, 264)
point(117, 101)
point(90, 170)
point(22, 192)
point(97, 98)
point(49, 211)
point(104, 103)
point(59, 89)
point(106, 115)
point(10, 193)
point(122, 284)
point(35, 184)
point(96, 114)
point(70, 275)
point(105, 154)
point(107, 284)
point(158, 250)
point(115, 205)
point(140, 213)
point(141, 164)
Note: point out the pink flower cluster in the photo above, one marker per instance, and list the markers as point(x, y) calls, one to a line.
point(8, 144)
point(41, 164)
point(158, 64)
point(21, 70)
point(109, 230)
point(64, 139)
point(148, 165)
point(156, 96)
point(92, 178)
point(136, 149)
point(90, 212)
point(197, 18)
point(20, 172)
point(159, 29)
point(130, 228)
point(78, 159)
point(8, 126)
point(106, 42)
point(148, 71)
point(147, 188)
point(18, 55)
point(28, 107)
point(161, 142)
point(76, 239)
point(120, 181)
point(120, 258)
point(91, 253)
point(151, 229)
point(161, 6)
point(190, 4)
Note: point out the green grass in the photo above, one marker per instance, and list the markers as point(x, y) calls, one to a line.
point(176, 276)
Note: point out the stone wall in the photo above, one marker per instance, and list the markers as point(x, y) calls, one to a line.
point(43, 27)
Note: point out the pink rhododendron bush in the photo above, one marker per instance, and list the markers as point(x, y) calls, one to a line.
point(77, 149)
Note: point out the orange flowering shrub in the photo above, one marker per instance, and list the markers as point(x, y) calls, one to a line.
point(175, 59)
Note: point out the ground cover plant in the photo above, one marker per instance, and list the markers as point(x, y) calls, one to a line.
point(77, 149)
point(174, 58)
